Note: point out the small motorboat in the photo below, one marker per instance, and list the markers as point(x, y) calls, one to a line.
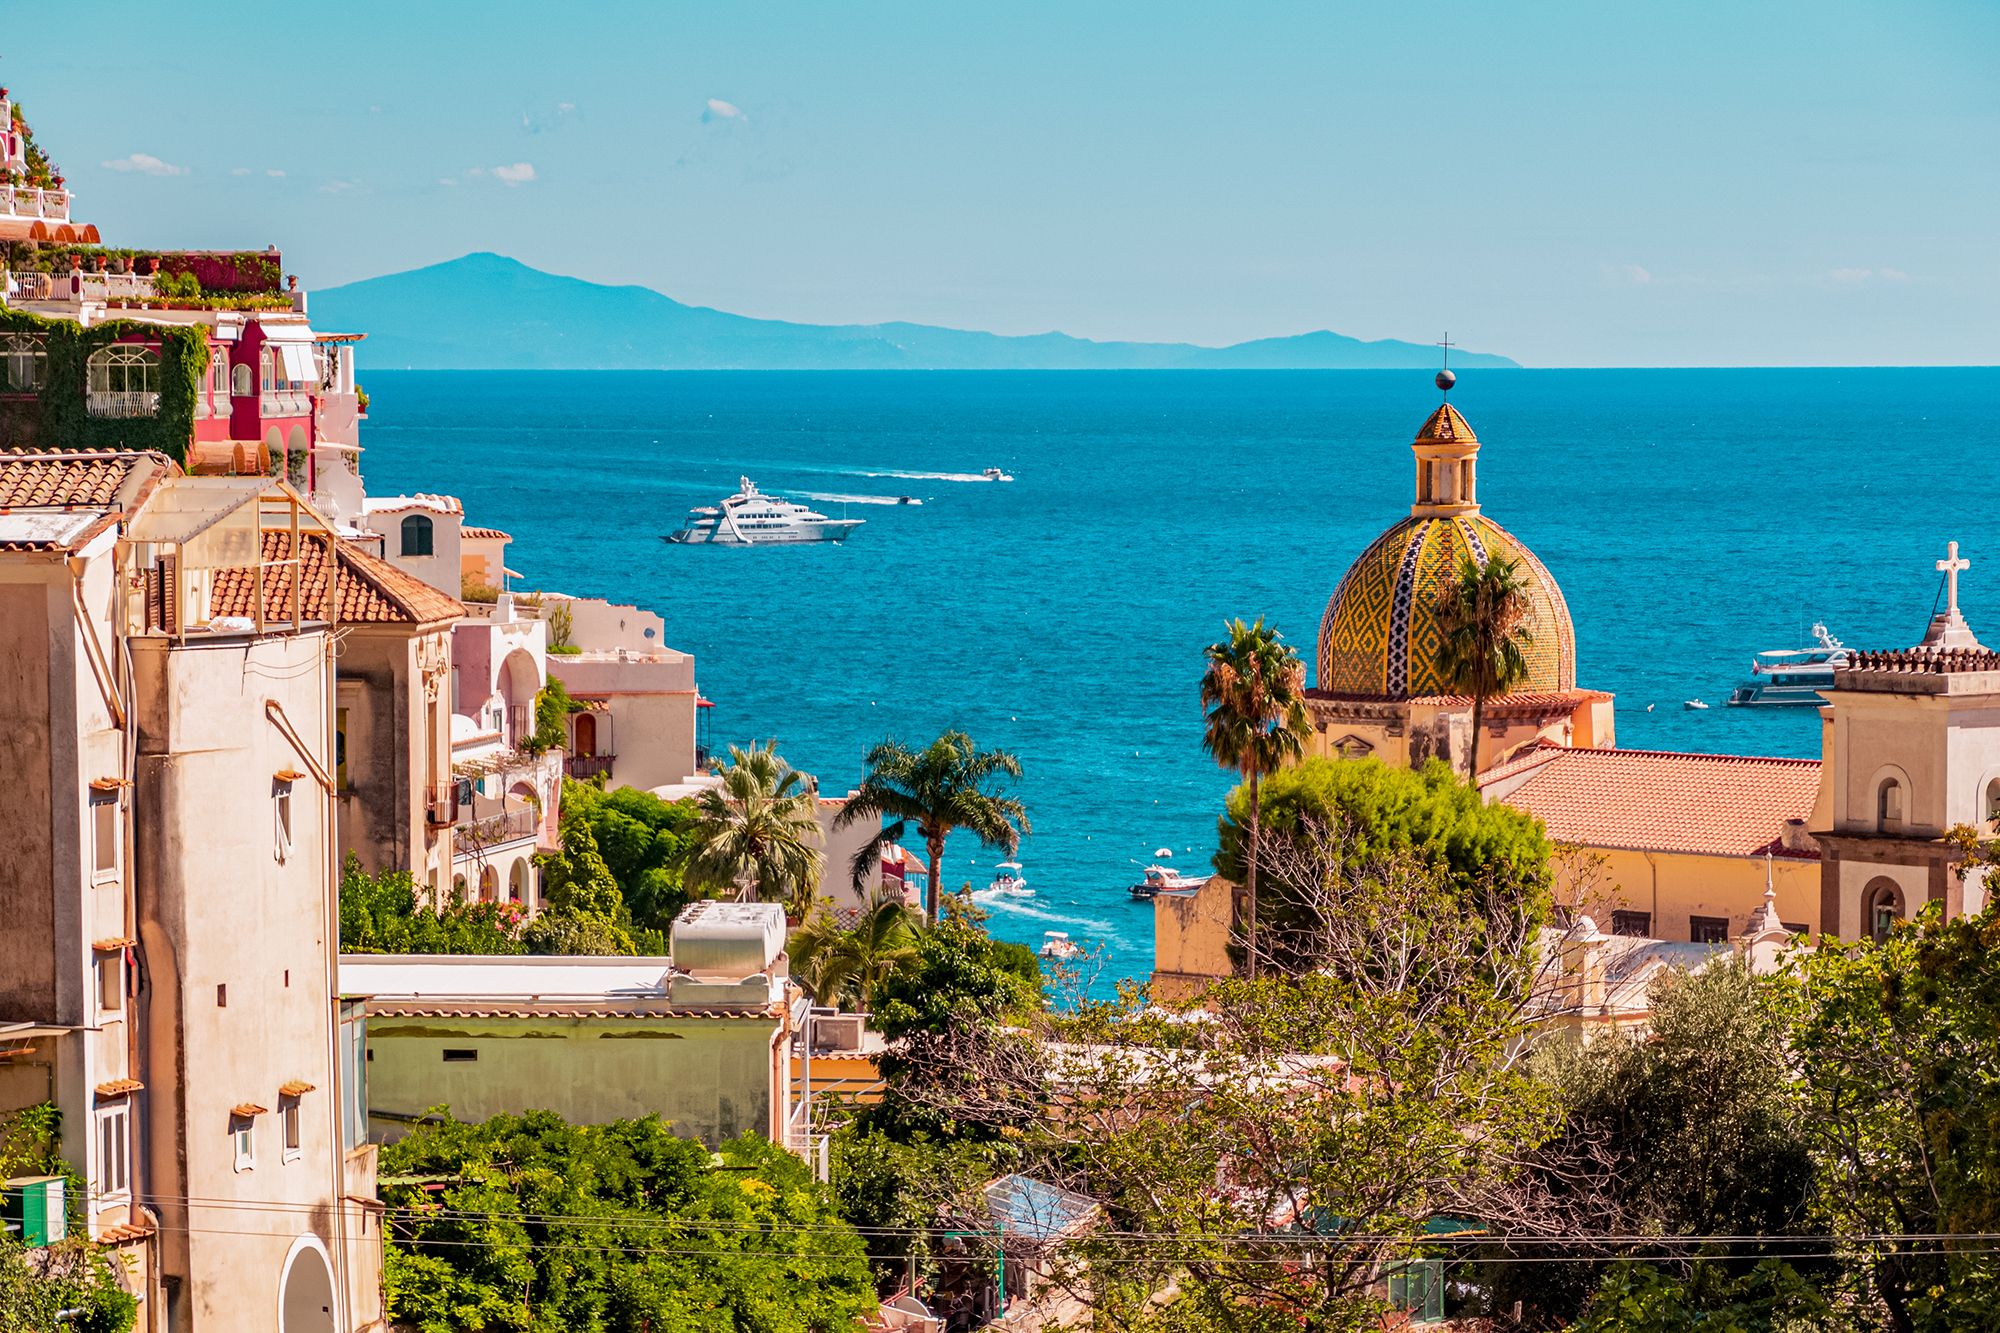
point(1163, 853)
point(1008, 881)
point(995, 474)
point(1057, 944)
point(908, 500)
point(1164, 879)
point(1694, 704)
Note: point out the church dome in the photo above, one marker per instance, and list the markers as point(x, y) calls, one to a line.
point(1380, 635)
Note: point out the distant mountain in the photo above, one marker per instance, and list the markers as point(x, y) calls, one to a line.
point(489, 312)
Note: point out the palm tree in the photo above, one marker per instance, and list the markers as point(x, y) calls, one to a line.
point(1483, 613)
point(1253, 702)
point(757, 835)
point(940, 789)
point(839, 965)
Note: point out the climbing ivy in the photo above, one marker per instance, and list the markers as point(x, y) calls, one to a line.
point(65, 420)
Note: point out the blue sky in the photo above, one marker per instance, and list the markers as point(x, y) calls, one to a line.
point(1571, 184)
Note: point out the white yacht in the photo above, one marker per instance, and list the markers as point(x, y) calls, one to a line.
point(1058, 946)
point(995, 474)
point(1792, 676)
point(751, 518)
point(1160, 879)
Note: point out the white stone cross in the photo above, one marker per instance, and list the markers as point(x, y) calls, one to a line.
point(1950, 567)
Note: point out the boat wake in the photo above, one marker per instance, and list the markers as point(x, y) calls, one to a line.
point(831, 497)
point(1015, 907)
point(929, 476)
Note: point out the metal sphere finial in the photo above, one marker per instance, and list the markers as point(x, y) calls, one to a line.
point(1445, 379)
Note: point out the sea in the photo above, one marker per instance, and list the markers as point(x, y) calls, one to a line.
point(1692, 517)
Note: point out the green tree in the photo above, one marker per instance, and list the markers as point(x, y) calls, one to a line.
point(552, 709)
point(848, 965)
point(1330, 817)
point(586, 913)
point(758, 834)
point(1895, 1048)
point(386, 913)
point(940, 1010)
point(73, 1274)
point(528, 1224)
point(1254, 721)
point(643, 841)
point(944, 787)
point(1690, 1132)
point(901, 1190)
point(1483, 613)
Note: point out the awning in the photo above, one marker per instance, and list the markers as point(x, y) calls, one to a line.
point(294, 343)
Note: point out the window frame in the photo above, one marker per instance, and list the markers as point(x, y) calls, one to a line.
point(291, 1122)
point(1890, 807)
point(1708, 929)
point(110, 1150)
point(1624, 917)
point(415, 524)
point(25, 349)
point(282, 827)
point(108, 968)
point(243, 1145)
point(103, 805)
point(111, 369)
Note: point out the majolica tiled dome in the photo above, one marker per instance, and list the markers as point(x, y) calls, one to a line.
point(1380, 635)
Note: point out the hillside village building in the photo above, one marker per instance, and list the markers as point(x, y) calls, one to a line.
point(167, 976)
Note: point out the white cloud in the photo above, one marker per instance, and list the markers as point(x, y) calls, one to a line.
point(721, 110)
point(520, 173)
point(1851, 274)
point(447, 180)
point(564, 108)
point(1632, 275)
point(338, 186)
point(145, 164)
point(1892, 275)
point(239, 171)
point(275, 173)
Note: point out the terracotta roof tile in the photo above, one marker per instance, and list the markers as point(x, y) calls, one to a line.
point(1446, 426)
point(121, 1234)
point(1924, 661)
point(484, 534)
point(108, 483)
point(484, 1009)
point(1652, 800)
point(372, 591)
point(118, 1087)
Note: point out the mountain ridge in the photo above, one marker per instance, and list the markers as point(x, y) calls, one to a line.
point(509, 316)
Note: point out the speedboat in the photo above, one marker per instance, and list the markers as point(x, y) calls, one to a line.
point(1008, 881)
point(1164, 879)
point(1792, 676)
point(751, 518)
point(1058, 945)
point(1694, 704)
point(908, 500)
point(995, 474)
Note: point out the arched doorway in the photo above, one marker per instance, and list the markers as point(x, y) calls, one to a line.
point(305, 1298)
point(517, 882)
point(586, 734)
point(489, 884)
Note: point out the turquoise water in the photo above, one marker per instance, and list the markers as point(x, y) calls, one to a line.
point(1692, 517)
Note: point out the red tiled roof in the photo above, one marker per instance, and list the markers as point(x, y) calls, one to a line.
point(1446, 426)
point(128, 1231)
point(1653, 800)
point(1924, 661)
point(485, 534)
point(372, 591)
point(487, 1009)
point(110, 483)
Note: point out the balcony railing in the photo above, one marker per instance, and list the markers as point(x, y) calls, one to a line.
point(585, 766)
point(441, 804)
point(499, 826)
point(285, 403)
point(123, 402)
point(25, 201)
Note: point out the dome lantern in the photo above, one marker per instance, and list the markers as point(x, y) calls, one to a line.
point(1447, 466)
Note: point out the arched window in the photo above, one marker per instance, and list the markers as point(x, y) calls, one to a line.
point(1889, 804)
point(24, 362)
point(416, 535)
point(489, 885)
point(1993, 801)
point(124, 381)
point(240, 380)
point(1882, 908)
point(458, 888)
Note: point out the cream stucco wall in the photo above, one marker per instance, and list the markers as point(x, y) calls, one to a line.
point(239, 945)
point(397, 744)
point(1674, 886)
point(1191, 939)
point(712, 1078)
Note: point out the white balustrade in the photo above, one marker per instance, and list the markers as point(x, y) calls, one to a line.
point(122, 402)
